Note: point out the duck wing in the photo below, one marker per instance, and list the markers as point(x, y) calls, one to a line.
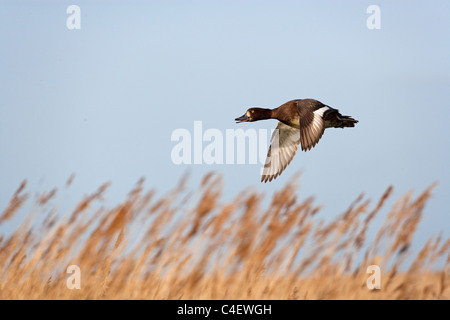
point(312, 126)
point(283, 146)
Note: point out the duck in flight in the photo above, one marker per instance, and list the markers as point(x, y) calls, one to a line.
point(301, 121)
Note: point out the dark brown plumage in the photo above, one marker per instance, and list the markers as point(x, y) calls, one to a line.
point(301, 121)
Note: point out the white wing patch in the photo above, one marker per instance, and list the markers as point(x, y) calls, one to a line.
point(318, 118)
point(320, 111)
point(314, 131)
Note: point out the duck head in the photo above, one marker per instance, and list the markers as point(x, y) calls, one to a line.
point(254, 114)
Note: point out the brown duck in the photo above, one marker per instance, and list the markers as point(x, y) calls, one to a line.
point(301, 121)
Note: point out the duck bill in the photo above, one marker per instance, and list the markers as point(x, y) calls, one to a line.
point(244, 118)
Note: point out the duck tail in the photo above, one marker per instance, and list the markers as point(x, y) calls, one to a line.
point(333, 119)
point(346, 121)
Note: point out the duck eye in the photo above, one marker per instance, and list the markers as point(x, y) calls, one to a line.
point(253, 111)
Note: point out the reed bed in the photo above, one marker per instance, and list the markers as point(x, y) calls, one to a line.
point(187, 244)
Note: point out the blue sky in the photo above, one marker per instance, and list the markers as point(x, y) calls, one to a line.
point(102, 102)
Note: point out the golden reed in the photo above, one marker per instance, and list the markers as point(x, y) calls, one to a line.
point(188, 245)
